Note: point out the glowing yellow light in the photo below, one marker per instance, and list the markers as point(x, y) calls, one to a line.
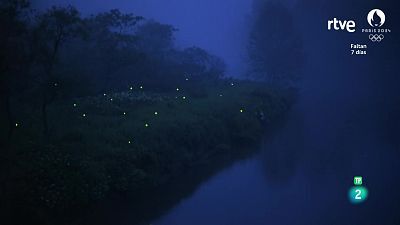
point(16, 124)
point(155, 113)
point(129, 142)
point(146, 125)
point(241, 110)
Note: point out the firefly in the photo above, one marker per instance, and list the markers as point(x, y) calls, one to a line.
point(141, 87)
point(183, 97)
point(124, 113)
point(16, 124)
point(241, 110)
point(177, 89)
point(74, 104)
point(84, 115)
point(104, 94)
point(131, 88)
point(155, 113)
point(146, 125)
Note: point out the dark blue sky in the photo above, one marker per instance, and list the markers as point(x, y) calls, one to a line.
point(218, 26)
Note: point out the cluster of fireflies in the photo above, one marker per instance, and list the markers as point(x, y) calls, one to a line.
point(156, 113)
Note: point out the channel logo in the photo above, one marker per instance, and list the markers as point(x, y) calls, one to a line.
point(376, 18)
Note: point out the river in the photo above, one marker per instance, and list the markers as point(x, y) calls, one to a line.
point(345, 124)
point(302, 175)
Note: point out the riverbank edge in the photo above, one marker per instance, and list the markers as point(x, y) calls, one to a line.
point(139, 194)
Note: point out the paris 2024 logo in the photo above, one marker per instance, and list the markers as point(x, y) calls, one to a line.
point(376, 19)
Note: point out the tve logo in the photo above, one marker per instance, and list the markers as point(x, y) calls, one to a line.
point(348, 25)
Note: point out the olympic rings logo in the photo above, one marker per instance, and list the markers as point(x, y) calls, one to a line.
point(376, 37)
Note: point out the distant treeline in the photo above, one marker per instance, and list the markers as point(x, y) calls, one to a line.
point(105, 106)
point(57, 53)
point(275, 46)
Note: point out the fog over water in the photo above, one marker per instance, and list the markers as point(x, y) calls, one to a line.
point(344, 124)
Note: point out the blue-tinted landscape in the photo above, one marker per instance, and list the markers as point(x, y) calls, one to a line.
point(199, 112)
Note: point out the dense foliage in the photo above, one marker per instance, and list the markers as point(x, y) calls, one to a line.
point(58, 53)
point(107, 104)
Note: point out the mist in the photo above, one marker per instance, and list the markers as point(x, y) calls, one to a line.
point(249, 112)
point(218, 26)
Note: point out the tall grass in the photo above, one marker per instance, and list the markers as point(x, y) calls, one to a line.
point(131, 141)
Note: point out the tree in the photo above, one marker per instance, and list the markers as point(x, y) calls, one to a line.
point(155, 39)
point(112, 27)
point(199, 62)
point(54, 27)
point(14, 55)
point(275, 47)
point(113, 43)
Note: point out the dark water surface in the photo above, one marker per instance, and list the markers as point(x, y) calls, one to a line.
point(345, 124)
point(302, 176)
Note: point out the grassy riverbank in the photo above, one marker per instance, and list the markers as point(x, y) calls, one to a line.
point(127, 142)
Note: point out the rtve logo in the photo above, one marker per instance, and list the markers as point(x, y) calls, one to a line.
point(348, 25)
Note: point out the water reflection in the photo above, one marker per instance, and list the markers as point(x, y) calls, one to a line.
point(303, 174)
point(282, 152)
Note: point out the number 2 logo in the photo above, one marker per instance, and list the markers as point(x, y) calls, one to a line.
point(358, 194)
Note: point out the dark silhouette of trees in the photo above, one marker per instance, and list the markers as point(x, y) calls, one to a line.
point(54, 27)
point(111, 41)
point(155, 39)
point(275, 47)
point(199, 62)
point(14, 54)
point(58, 54)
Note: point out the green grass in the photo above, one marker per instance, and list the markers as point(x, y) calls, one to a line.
point(123, 146)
